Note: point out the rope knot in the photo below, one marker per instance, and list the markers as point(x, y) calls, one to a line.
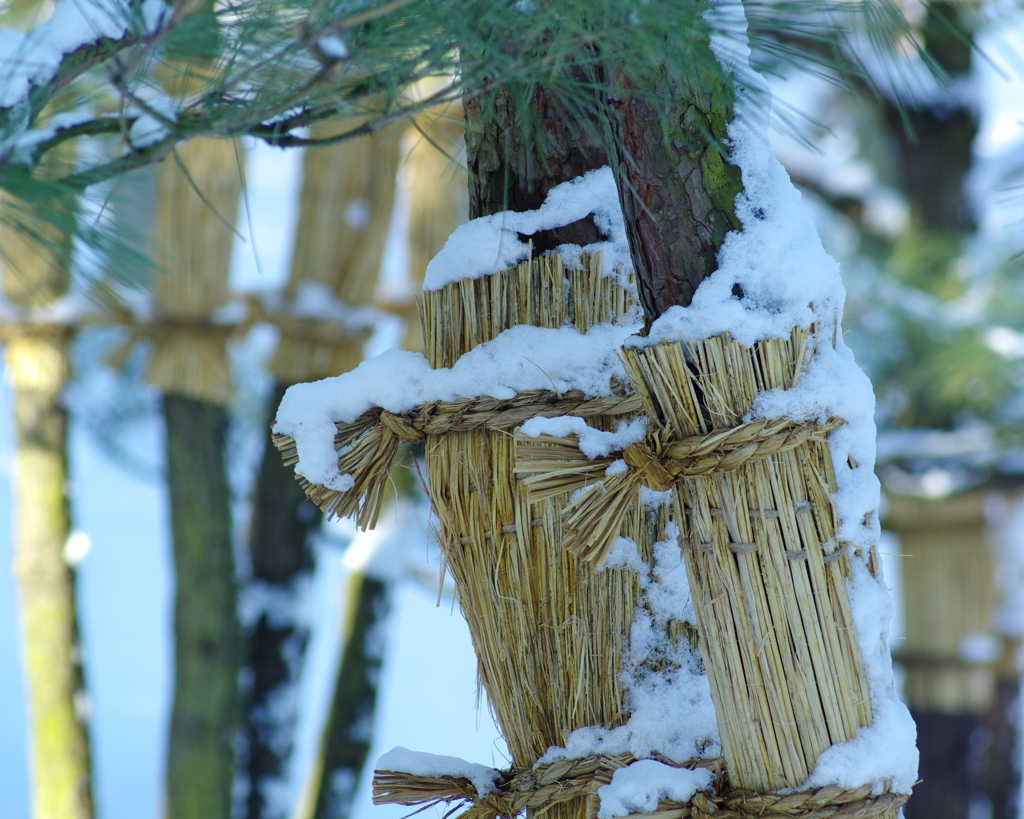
point(648, 467)
point(401, 426)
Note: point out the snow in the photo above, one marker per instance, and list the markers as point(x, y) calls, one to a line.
point(23, 146)
point(32, 59)
point(76, 548)
point(333, 46)
point(639, 787)
point(484, 779)
point(887, 749)
point(670, 711)
point(148, 129)
point(594, 443)
point(482, 246)
point(521, 358)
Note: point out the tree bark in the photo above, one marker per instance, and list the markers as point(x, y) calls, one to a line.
point(349, 730)
point(282, 528)
point(35, 273)
point(58, 737)
point(676, 186)
point(200, 766)
point(516, 153)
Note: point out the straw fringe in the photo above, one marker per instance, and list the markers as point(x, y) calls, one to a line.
point(539, 789)
point(370, 444)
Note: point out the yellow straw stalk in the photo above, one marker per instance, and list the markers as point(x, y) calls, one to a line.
point(189, 355)
point(949, 595)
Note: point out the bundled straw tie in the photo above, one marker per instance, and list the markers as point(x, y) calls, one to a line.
point(536, 788)
point(541, 788)
point(592, 521)
point(369, 445)
point(830, 802)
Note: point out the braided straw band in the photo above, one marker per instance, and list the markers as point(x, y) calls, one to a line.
point(369, 445)
point(541, 788)
point(593, 520)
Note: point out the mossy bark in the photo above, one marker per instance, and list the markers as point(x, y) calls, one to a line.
point(349, 730)
point(676, 185)
point(35, 273)
point(58, 738)
point(200, 763)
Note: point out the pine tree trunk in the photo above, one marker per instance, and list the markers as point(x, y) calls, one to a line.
point(515, 156)
point(349, 730)
point(676, 186)
point(189, 365)
point(346, 204)
point(200, 758)
point(37, 366)
point(60, 758)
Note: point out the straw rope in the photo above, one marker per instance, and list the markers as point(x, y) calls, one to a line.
point(543, 787)
point(371, 443)
point(592, 521)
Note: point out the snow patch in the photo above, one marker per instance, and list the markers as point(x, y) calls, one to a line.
point(594, 443)
point(670, 711)
point(400, 759)
point(639, 787)
point(481, 246)
point(31, 60)
point(522, 358)
point(149, 128)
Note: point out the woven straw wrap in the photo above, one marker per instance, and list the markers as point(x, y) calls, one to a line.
point(189, 351)
point(949, 596)
point(541, 788)
point(438, 192)
point(549, 631)
point(767, 576)
point(753, 502)
point(348, 193)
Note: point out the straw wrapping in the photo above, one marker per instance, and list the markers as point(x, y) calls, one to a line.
point(593, 520)
point(370, 444)
point(543, 787)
